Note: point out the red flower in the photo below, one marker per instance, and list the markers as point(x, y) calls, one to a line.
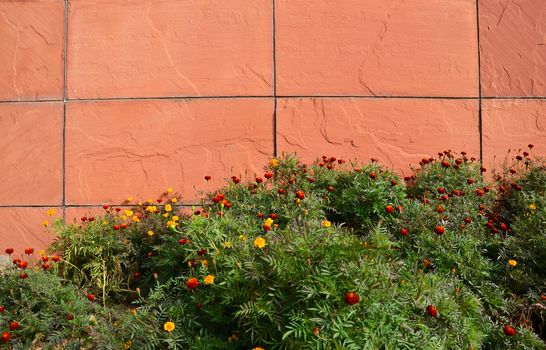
point(259, 180)
point(235, 179)
point(91, 297)
point(444, 197)
point(105, 207)
point(6, 336)
point(23, 264)
point(274, 216)
point(137, 275)
point(45, 258)
point(469, 181)
point(183, 241)
point(441, 190)
point(394, 183)
point(116, 227)
point(56, 258)
point(311, 179)
point(280, 190)
point(208, 177)
point(13, 326)
point(479, 192)
point(351, 298)
point(431, 310)
point(45, 266)
point(70, 317)
point(445, 164)
point(83, 218)
point(29, 251)
point(300, 195)
point(440, 209)
point(373, 176)
point(268, 175)
point(260, 215)
point(468, 220)
point(23, 276)
point(9, 251)
point(439, 230)
point(389, 209)
point(2, 309)
point(192, 283)
point(404, 231)
point(509, 330)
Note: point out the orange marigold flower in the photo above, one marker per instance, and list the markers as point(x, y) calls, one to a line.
point(169, 326)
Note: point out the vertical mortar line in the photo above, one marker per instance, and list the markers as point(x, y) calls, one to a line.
point(63, 151)
point(274, 83)
point(480, 121)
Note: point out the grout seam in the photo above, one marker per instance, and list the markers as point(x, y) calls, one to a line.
point(63, 152)
point(275, 150)
point(113, 99)
point(480, 112)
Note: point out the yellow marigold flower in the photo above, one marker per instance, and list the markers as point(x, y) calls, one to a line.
point(127, 344)
point(209, 279)
point(170, 190)
point(168, 208)
point(50, 212)
point(129, 199)
point(150, 201)
point(171, 224)
point(258, 348)
point(123, 217)
point(128, 213)
point(151, 208)
point(134, 310)
point(174, 200)
point(242, 237)
point(169, 326)
point(135, 218)
point(273, 162)
point(532, 206)
point(298, 201)
point(205, 262)
point(228, 244)
point(268, 222)
point(41, 252)
point(512, 262)
point(150, 233)
point(139, 203)
point(104, 222)
point(45, 223)
point(260, 242)
point(175, 218)
point(166, 215)
point(326, 223)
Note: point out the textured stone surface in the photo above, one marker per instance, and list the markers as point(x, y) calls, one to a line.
point(513, 47)
point(22, 228)
point(31, 49)
point(512, 125)
point(119, 48)
point(358, 47)
point(139, 148)
point(30, 163)
point(398, 132)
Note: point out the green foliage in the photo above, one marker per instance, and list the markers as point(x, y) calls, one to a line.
point(324, 256)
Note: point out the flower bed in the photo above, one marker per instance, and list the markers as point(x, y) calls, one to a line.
point(334, 255)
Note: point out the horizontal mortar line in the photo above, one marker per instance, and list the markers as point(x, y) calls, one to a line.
point(513, 97)
point(31, 101)
point(382, 97)
point(164, 98)
point(278, 96)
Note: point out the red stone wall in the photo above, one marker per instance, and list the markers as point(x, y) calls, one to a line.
point(160, 93)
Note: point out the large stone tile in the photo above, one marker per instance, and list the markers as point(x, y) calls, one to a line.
point(140, 148)
point(23, 228)
point(513, 47)
point(399, 132)
point(512, 125)
point(120, 48)
point(30, 164)
point(366, 47)
point(31, 46)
